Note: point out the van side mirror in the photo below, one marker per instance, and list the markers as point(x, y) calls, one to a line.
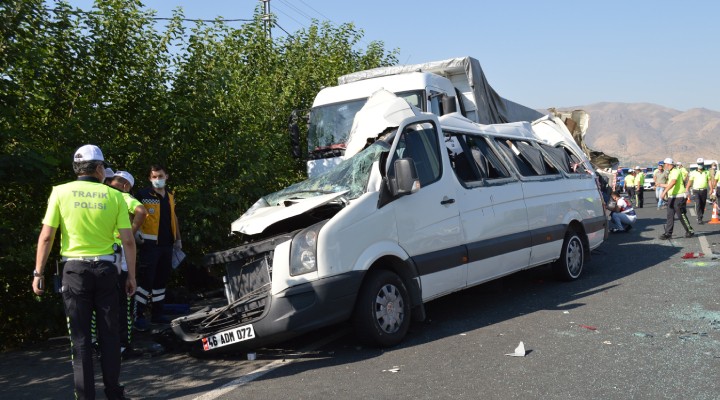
point(406, 179)
point(448, 104)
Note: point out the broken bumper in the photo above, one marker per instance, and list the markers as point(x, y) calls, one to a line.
point(262, 319)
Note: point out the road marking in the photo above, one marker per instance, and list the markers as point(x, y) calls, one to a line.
point(704, 245)
point(236, 383)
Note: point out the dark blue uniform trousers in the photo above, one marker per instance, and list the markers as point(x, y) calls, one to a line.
point(89, 286)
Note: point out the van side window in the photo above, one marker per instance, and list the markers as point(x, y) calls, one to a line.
point(420, 142)
point(565, 159)
point(529, 160)
point(486, 159)
point(461, 158)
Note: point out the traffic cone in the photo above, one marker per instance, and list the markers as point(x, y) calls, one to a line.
point(714, 219)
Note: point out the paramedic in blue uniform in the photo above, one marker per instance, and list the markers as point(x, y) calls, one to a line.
point(87, 212)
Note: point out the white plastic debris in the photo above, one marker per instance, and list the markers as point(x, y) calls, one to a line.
point(519, 351)
point(393, 369)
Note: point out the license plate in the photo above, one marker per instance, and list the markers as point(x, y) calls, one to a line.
point(235, 335)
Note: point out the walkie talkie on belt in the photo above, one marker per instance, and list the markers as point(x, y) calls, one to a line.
point(57, 278)
point(117, 252)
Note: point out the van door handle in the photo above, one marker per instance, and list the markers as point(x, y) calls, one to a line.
point(447, 201)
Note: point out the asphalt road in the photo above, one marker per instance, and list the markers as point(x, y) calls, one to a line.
point(641, 323)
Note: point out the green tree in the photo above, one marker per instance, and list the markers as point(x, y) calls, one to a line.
point(210, 102)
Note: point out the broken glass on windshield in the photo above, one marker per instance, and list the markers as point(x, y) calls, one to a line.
point(351, 175)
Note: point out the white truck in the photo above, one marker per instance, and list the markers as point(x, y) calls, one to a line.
point(429, 206)
point(438, 87)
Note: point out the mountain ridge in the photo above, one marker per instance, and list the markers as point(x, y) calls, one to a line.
point(644, 133)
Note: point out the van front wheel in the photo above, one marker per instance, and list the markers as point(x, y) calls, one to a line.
point(382, 311)
point(572, 257)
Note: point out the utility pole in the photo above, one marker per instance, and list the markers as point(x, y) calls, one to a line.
point(266, 18)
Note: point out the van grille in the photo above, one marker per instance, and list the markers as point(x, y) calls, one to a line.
point(247, 288)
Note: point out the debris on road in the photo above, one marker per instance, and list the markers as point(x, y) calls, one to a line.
point(643, 335)
point(692, 255)
point(393, 369)
point(592, 328)
point(519, 351)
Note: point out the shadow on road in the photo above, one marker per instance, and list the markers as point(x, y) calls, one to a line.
point(522, 293)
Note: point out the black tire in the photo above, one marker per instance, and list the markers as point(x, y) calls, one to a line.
point(382, 310)
point(572, 257)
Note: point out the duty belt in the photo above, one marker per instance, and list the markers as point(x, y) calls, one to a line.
point(109, 257)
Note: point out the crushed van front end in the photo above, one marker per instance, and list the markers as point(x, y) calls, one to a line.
point(255, 316)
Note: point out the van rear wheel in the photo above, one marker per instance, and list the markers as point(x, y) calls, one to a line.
point(572, 257)
point(382, 311)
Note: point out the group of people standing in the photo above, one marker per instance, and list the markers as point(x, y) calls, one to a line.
point(634, 183)
point(674, 186)
point(103, 228)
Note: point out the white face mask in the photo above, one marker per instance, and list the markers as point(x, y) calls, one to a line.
point(158, 183)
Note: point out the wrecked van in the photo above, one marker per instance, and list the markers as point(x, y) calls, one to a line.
point(428, 208)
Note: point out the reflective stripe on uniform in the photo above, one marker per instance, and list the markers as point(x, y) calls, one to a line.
point(148, 237)
point(158, 294)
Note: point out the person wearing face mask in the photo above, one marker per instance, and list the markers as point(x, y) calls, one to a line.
point(160, 235)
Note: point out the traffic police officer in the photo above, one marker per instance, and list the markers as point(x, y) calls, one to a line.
point(630, 184)
point(675, 192)
point(699, 181)
point(87, 212)
point(124, 181)
point(639, 186)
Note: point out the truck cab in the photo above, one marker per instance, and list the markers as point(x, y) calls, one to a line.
point(334, 110)
point(438, 87)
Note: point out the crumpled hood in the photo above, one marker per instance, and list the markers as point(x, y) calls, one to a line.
point(263, 217)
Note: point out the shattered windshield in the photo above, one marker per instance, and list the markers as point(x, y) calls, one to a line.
point(331, 124)
point(351, 175)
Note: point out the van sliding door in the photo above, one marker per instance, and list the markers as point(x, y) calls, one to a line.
point(428, 221)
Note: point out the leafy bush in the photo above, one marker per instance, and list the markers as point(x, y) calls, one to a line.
point(211, 103)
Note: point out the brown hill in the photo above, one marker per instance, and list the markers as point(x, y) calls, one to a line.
point(643, 133)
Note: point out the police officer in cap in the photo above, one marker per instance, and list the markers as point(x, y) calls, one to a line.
point(699, 181)
point(87, 212)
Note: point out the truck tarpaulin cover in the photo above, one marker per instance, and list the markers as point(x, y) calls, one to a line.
point(577, 121)
point(491, 108)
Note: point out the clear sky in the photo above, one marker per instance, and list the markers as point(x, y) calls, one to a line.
point(541, 54)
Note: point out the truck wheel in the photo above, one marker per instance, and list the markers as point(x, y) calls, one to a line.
point(382, 311)
point(572, 257)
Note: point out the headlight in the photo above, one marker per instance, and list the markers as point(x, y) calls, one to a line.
point(303, 250)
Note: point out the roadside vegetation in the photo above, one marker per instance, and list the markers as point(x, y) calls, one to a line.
point(209, 100)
